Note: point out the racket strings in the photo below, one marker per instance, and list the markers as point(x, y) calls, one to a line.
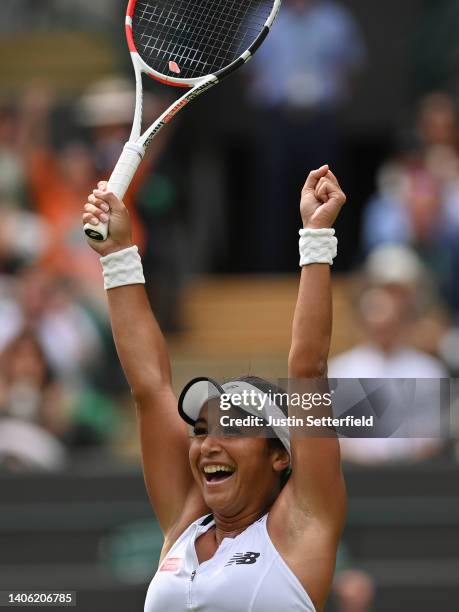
point(199, 28)
point(199, 37)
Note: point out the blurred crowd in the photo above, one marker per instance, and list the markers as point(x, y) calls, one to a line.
point(53, 329)
point(53, 324)
point(61, 387)
point(407, 301)
point(53, 332)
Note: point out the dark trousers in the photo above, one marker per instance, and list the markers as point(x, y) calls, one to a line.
point(289, 145)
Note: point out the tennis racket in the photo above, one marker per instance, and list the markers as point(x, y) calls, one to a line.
point(184, 43)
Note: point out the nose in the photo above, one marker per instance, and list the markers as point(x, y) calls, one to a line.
point(210, 444)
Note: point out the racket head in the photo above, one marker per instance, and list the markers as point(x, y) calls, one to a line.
point(180, 42)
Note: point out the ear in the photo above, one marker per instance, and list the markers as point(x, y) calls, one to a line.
point(280, 459)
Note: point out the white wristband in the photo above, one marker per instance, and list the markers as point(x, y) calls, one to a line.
point(317, 246)
point(122, 268)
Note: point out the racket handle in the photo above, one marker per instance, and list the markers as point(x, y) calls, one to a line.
point(118, 184)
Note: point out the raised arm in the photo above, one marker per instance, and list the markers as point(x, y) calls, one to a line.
point(143, 354)
point(316, 482)
point(321, 201)
point(307, 518)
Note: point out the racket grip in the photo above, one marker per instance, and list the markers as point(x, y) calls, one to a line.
point(118, 184)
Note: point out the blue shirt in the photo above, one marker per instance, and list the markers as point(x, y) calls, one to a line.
point(308, 57)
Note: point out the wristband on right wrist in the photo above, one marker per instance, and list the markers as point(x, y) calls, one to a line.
point(122, 268)
point(317, 246)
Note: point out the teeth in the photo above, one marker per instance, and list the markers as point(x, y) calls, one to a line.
point(211, 469)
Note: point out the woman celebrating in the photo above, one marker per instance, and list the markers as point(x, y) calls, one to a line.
point(235, 539)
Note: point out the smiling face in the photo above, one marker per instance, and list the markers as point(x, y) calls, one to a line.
point(227, 462)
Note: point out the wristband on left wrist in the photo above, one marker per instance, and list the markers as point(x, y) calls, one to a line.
point(317, 246)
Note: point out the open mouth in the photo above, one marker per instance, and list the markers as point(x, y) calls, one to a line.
point(215, 474)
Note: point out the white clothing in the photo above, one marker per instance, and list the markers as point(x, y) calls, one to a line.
point(246, 574)
point(367, 361)
point(33, 446)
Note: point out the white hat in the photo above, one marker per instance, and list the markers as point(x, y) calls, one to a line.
point(110, 102)
point(394, 264)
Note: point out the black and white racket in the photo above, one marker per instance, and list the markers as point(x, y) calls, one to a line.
point(185, 43)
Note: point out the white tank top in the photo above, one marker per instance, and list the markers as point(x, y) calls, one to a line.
point(246, 574)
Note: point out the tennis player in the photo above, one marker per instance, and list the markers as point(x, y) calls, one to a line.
point(235, 538)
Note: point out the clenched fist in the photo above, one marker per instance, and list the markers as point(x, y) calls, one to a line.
point(321, 199)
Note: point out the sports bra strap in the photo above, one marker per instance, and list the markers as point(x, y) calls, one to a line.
point(207, 520)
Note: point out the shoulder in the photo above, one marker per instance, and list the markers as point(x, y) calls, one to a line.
point(181, 531)
point(194, 512)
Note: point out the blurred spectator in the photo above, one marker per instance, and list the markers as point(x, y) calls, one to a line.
point(300, 79)
point(38, 403)
point(438, 121)
point(69, 337)
point(387, 311)
point(106, 110)
point(58, 182)
point(23, 235)
point(33, 408)
point(417, 201)
point(59, 185)
point(353, 591)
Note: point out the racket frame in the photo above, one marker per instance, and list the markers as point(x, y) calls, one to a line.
point(134, 150)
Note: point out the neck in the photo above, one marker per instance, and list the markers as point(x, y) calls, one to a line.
point(232, 526)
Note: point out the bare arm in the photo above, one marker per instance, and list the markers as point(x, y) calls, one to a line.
point(307, 518)
point(316, 483)
point(312, 323)
point(143, 354)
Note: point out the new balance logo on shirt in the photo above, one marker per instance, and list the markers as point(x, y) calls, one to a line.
point(247, 558)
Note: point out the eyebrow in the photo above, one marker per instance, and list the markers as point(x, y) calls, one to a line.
point(200, 421)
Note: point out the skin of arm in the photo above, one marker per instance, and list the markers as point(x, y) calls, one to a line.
point(143, 354)
point(321, 201)
point(309, 513)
